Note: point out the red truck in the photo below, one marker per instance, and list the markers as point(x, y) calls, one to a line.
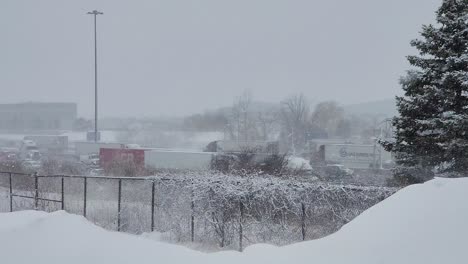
point(108, 156)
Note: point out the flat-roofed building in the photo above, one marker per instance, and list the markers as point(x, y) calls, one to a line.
point(33, 116)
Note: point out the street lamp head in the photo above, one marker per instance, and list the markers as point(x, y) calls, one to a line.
point(95, 12)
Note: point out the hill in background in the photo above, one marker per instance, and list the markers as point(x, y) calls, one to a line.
point(384, 107)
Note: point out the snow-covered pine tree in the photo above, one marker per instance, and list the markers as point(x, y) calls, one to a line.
point(431, 131)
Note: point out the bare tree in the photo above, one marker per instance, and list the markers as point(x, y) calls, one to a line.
point(295, 115)
point(327, 115)
point(344, 128)
point(267, 124)
point(242, 124)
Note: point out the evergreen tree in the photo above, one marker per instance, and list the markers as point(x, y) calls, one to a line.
point(432, 128)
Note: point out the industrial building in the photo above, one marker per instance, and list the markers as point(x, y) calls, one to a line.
point(24, 117)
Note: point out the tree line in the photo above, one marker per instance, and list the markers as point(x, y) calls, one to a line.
point(293, 121)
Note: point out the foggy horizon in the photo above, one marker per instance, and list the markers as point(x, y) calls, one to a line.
point(174, 58)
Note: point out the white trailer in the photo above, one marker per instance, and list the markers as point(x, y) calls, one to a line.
point(240, 146)
point(357, 156)
point(164, 159)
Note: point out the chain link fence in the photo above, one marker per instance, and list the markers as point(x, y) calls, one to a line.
point(210, 210)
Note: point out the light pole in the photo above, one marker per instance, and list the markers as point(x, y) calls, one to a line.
point(95, 13)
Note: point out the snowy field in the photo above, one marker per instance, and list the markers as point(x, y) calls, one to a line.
point(401, 229)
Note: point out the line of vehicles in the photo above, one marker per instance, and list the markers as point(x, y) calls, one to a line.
point(32, 150)
point(329, 159)
point(27, 151)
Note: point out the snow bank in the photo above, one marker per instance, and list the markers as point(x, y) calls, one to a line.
point(420, 224)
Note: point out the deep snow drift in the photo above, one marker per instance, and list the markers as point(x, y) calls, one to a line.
point(425, 223)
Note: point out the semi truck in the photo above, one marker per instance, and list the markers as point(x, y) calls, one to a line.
point(50, 143)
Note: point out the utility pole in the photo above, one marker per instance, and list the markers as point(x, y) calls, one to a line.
point(95, 13)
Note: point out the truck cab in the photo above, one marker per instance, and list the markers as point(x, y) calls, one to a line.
point(29, 150)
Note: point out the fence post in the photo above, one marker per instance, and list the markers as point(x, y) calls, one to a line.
point(241, 219)
point(11, 194)
point(303, 221)
point(36, 192)
point(63, 195)
point(119, 199)
point(192, 217)
point(152, 206)
point(192, 222)
point(85, 185)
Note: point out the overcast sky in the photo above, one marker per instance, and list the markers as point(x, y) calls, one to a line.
point(176, 57)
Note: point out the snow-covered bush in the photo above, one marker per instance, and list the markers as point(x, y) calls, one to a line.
point(274, 210)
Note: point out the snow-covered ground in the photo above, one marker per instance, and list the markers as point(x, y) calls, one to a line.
point(425, 223)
